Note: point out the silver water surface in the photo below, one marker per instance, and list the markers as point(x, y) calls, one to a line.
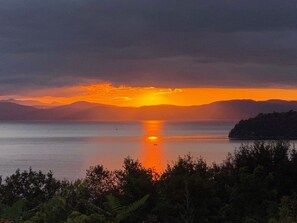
point(68, 149)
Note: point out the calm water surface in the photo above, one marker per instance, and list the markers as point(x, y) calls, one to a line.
point(68, 149)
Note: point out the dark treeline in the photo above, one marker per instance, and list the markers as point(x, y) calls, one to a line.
point(277, 125)
point(257, 183)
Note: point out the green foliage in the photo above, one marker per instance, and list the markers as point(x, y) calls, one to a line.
point(13, 213)
point(134, 181)
point(187, 212)
point(77, 217)
point(32, 186)
point(287, 210)
point(257, 183)
point(117, 212)
point(100, 182)
point(193, 177)
point(53, 211)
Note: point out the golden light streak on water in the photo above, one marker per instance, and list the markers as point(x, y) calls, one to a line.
point(152, 155)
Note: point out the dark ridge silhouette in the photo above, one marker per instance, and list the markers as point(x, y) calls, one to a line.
point(33, 103)
point(85, 111)
point(267, 126)
point(12, 111)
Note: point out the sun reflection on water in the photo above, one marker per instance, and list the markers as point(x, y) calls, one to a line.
point(152, 151)
point(152, 138)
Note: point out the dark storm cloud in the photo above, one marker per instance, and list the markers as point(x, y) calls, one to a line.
point(148, 42)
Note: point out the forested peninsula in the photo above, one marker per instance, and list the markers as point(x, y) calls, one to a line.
point(267, 126)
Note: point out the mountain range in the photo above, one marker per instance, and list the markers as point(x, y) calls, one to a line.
point(85, 111)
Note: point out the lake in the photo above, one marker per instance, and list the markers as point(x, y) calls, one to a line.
point(69, 148)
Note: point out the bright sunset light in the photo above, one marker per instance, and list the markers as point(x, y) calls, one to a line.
point(153, 111)
point(152, 138)
point(139, 96)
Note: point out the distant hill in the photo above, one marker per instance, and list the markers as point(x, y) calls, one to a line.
point(267, 126)
point(11, 111)
point(35, 104)
point(85, 111)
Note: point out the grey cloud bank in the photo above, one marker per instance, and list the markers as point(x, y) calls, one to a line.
point(191, 43)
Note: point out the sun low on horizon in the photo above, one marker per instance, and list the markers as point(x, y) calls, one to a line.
point(133, 96)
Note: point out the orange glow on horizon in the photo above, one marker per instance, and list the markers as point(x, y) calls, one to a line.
point(106, 93)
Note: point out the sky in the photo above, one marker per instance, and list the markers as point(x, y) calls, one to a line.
point(142, 52)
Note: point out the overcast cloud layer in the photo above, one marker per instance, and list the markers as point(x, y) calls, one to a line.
point(174, 43)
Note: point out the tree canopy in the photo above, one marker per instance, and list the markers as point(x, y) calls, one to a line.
point(256, 183)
